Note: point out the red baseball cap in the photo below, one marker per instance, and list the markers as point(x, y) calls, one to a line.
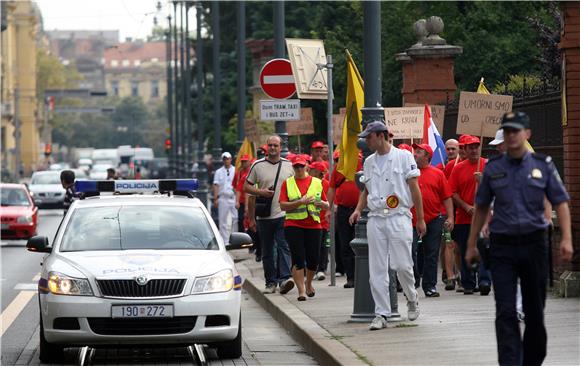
point(264, 147)
point(290, 156)
point(471, 140)
point(462, 139)
point(299, 160)
point(336, 154)
point(318, 165)
point(245, 157)
point(317, 145)
point(425, 147)
point(306, 157)
point(406, 147)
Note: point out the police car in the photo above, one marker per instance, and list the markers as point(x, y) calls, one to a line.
point(143, 265)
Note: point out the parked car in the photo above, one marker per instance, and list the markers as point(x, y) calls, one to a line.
point(59, 166)
point(18, 214)
point(99, 171)
point(85, 164)
point(158, 168)
point(46, 188)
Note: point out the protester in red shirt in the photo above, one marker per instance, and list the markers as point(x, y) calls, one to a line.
point(463, 182)
point(459, 156)
point(303, 235)
point(344, 194)
point(438, 211)
point(316, 150)
point(238, 184)
point(318, 170)
point(405, 147)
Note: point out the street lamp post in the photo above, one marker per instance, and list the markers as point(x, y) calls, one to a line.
point(176, 100)
point(201, 172)
point(363, 310)
point(217, 120)
point(170, 93)
point(279, 52)
point(241, 51)
point(187, 84)
point(183, 99)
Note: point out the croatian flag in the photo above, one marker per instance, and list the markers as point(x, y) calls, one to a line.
point(432, 137)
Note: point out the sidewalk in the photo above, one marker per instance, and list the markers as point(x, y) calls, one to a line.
point(453, 329)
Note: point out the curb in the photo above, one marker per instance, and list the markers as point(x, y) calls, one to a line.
point(315, 340)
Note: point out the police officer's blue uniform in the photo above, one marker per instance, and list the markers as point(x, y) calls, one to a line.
point(519, 248)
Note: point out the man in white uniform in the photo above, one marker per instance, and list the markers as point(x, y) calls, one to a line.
point(391, 189)
point(225, 196)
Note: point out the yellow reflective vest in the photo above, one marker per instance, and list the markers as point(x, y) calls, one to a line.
point(302, 211)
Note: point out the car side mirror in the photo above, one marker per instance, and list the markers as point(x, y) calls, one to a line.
point(38, 244)
point(239, 241)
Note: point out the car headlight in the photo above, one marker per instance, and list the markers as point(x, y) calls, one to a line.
point(60, 284)
point(222, 281)
point(24, 219)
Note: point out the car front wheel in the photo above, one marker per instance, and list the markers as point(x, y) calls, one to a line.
point(49, 353)
point(233, 348)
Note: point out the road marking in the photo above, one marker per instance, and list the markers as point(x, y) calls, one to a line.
point(26, 286)
point(14, 309)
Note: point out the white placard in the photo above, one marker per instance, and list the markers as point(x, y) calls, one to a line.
point(280, 110)
point(305, 55)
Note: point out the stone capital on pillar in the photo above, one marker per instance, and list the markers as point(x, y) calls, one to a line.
point(428, 65)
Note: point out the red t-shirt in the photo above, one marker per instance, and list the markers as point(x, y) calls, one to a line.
point(449, 168)
point(346, 191)
point(238, 183)
point(462, 182)
point(434, 190)
point(325, 224)
point(308, 222)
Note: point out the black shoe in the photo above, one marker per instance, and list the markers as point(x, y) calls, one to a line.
point(484, 290)
point(476, 289)
point(258, 258)
point(468, 291)
point(349, 284)
point(432, 293)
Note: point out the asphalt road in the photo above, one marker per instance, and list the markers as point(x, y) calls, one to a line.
point(265, 342)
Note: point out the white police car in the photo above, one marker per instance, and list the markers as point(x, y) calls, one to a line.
point(140, 269)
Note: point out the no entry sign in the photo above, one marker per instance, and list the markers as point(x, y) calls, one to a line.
point(277, 80)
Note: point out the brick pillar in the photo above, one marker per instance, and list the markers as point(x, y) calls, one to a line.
point(570, 45)
point(428, 65)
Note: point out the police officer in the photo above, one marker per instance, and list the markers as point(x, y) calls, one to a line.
point(519, 180)
point(391, 189)
point(225, 196)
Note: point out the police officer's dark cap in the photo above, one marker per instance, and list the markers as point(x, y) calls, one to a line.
point(376, 126)
point(515, 120)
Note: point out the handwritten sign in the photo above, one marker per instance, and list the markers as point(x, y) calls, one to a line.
point(251, 130)
point(337, 125)
point(406, 122)
point(437, 113)
point(304, 126)
point(480, 114)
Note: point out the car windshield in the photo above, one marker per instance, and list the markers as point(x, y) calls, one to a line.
point(138, 227)
point(47, 178)
point(14, 197)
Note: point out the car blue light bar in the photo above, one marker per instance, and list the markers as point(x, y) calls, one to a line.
point(137, 186)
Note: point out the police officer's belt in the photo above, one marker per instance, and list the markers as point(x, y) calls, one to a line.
point(522, 239)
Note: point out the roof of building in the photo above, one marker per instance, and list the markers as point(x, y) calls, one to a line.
point(134, 51)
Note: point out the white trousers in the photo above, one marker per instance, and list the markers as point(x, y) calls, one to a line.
point(227, 216)
point(390, 240)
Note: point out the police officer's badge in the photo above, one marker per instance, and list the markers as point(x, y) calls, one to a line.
point(536, 173)
point(392, 201)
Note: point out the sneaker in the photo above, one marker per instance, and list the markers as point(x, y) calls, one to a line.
point(349, 284)
point(270, 289)
point(468, 291)
point(450, 285)
point(320, 276)
point(459, 288)
point(431, 293)
point(412, 310)
point(484, 290)
point(286, 286)
point(338, 274)
point(378, 323)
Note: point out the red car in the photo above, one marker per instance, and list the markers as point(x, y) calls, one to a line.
point(18, 214)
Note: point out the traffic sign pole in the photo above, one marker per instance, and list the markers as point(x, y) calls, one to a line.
point(279, 51)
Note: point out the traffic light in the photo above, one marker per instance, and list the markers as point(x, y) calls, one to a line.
point(167, 145)
point(47, 149)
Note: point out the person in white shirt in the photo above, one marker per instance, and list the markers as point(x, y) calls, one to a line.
point(225, 196)
point(391, 189)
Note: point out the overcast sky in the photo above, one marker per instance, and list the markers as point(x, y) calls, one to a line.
point(133, 18)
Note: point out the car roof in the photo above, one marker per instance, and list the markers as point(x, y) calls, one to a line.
point(12, 185)
point(138, 199)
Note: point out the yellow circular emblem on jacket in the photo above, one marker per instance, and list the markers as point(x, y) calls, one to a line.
point(392, 201)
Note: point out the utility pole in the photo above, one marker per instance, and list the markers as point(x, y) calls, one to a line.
point(201, 173)
point(217, 118)
point(241, 71)
point(363, 310)
point(176, 81)
point(279, 52)
point(183, 82)
point(17, 134)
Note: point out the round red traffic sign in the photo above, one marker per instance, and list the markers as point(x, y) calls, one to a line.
point(277, 80)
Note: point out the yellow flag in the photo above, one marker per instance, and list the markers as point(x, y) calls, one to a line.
point(481, 89)
point(355, 98)
point(245, 149)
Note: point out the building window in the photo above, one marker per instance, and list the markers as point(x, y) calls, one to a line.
point(114, 63)
point(126, 63)
point(154, 89)
point(137, 62)
point(115, 87)
point(134, 88)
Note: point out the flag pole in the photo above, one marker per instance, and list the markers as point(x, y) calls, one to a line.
point(330, 140)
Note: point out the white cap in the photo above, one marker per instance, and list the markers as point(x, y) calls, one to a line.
point(498, 138)
point(226, 155)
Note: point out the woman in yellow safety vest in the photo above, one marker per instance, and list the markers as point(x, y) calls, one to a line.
point(302, 197)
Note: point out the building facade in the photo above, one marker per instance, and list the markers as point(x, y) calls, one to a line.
point(137, 69)
point(21, 37)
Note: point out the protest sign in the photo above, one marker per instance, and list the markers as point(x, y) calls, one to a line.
point(480, 114)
